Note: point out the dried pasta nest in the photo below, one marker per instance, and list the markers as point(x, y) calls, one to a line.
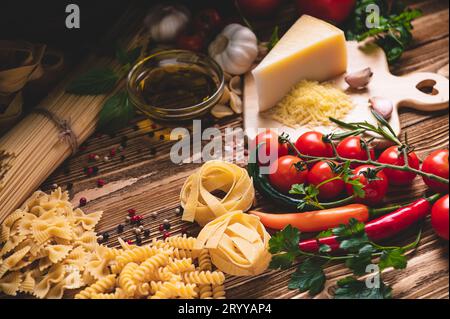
point(237, 243)
point(199, 193)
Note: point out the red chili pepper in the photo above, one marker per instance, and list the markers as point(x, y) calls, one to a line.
point(381, 228)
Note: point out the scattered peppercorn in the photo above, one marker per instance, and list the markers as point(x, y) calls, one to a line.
point(151, 134)
point(131, 212)
point(161, 228)
point(106, 158)
point(91, 157)
point(105, 235)
point(178, 211)
point(146, 233)
point(166, 234)
point(95, 169)
point(129, 242)
point(154, 215)
point(100, 239)
point(90, 171)
point(138, 241)
point(122, 158)
point(128, 218)
point(112, 152)
point(120, 228)
point(101, 182)
point(161, 137)
point(83, 201)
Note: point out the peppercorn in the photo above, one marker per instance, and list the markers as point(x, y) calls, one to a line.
point(122, 158)
point(154, 214)
point(129, 242)
point(95, 169)
point(83, 201)
point(137, 231)
point(166, 234)
point(101, 182)
point(112, 152)
point(161, 137)
point(146, 233)
point(138, 241)
point(167, 226)
point(105, 235)
point(120, 228)
point(151, 134)
point(131, 212)
point(128, 219)
point(91, 157)
point(90, 171)
point(178, 211)
point(106, 158)
point(161, 228)
point(100, 238)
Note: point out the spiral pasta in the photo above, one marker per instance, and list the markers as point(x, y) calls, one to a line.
point(126, 281)
point(101, 286)
point(205, 292)
point(179, 242)
point(204, 260)
point(181, 265)
point(145, 270)
point(218, 292)
point(138, 255)
point(169, 290)
point(204, 277)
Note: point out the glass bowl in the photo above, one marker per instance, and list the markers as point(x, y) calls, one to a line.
point(149, 67)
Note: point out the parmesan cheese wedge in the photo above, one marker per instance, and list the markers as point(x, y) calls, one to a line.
point(311, 50)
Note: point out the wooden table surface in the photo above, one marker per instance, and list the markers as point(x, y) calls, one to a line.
point(145, 179)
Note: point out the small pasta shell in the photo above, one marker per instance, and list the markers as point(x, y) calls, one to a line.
point(220, 111)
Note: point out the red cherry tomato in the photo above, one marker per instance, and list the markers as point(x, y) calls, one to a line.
point(192, 42)
point(322, 172)
point(287, 173)
point(436, 163)
point(272, 142)
point(258, 8)
point(312, 144)
point(352, 148)
point(330, 10)
point(394, 157)
point(375, 190)
point(439, 217)
point(207, 21)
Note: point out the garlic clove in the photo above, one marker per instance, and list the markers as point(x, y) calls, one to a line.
point(227, 76)
point(225, 97)
point(382, 106)
point(235, 85)
point(220, 111)
point(359, 79)
point(236, 103)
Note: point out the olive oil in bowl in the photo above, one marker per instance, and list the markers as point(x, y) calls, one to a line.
point(175, 85)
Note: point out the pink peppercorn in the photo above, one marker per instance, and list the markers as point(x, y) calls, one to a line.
point(131, 212)
point(101, 183)
point(129, 242)
point(166, 234)
point(161, 228)
point(90, 171)
point(91, 157)
point(112, 152)
point(83, 201)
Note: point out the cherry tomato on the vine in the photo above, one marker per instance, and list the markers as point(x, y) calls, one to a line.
point(439, 217)
point(288, 171)
point(207, 21)
point(394, 156)
point(375, 184)
point(352, 148)
point(272, 144)
point(436, 163)
point(191, 42)
point(313, 144)
point(322, 172)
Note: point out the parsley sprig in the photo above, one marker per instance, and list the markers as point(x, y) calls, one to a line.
point(117, 110)
point(359, 252)
point(393, 33)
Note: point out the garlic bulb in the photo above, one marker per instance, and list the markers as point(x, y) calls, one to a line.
point(165, 22)
point(235, 49)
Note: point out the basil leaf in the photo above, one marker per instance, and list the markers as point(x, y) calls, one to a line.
point(116, 113)
point(94, 82)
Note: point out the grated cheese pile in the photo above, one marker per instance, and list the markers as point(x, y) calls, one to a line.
point(311, 104)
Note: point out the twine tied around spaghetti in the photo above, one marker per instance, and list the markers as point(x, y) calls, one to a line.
point(66, 133)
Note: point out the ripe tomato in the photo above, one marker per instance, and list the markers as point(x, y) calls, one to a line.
point(322, 172)
point(436, 163)
point(330, 10)
point(272, 144)
point(352, 148)
point(192, 42)
point(287, 173)
point(375, 186)
point(258, 8)
point(312, 144)
point(439, 217)
point(394, 157)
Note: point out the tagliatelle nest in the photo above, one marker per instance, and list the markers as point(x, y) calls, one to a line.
point(238, 244)
point(198, 193)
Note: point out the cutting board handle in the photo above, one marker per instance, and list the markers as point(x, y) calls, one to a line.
point(425, 91)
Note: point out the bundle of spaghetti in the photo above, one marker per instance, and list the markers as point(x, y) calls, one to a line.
point(34, 148)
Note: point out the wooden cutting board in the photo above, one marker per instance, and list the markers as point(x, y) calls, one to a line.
point(403, 91)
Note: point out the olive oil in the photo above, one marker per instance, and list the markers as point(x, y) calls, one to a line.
point(176, 86)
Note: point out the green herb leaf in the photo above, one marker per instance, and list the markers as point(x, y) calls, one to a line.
point(309, 276)
point(325, 234)
point(275, 38)
point(116, 113)
point(282, 261)
point(94, 82)
point(324, 249)
point(358, 264)
point(351, 288)
point(128, 57)
point(354, 227)
point(285, 241)
point(393, 258)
